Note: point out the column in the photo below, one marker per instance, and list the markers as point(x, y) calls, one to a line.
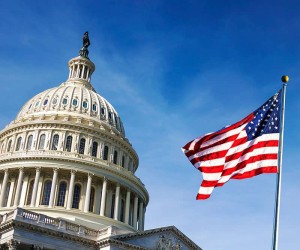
point(88, 193)
point(11, 192)
point(117, 202)
point(24, 191)
point(4, 185)
point(19, 186)
point(143, 225)
point(71, 189)
point(103, 197)
point(88, 74)
point(35, 185)
point(98, 199)
point(53, 187)
point(127, 207)
point(135, 210)
point(141, 212)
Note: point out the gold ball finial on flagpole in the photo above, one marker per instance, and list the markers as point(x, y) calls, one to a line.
point(285, 79)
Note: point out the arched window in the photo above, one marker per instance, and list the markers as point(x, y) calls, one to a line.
point(95, 149)
point(81, 146)
point(6, 195)
point(105, 153)
point(61, 194)
point(9, 146)
point(115, 160)
point(55, 142)
point(123, 161)
point(92, 198)
point(76, 196)
point(29, 142)
point(69, 143)
point(18, 143)
point(42, 141)
point(46, 193)
point(29, 192)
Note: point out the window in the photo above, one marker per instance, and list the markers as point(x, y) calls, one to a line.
point(95, 149)
point(102, 111)
point(81, 146)
point(80, 70)
point(61, 194)
point(105, 153)
point(37, 103)
point(54, 101)
point(65, 101)
point(123, 161)
point(29, 106)
point(69, 143)
point(18, 143)
point(109, 115)
point(85, 104)
point(94, 107)
point(29, 142)
point(29, 192)
point(46, 193)
point(45, 102)
point(115, 159)
point(9, 146)
point(112, 208)
point(75, 102)
point(122, 210)
point(42, 141)
point(92, 197)
point(76, 196)
point(55, 142)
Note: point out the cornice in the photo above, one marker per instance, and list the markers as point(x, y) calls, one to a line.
point(48, 231)
point(110, 241)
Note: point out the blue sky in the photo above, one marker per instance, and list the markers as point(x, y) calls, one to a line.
point(173, 70)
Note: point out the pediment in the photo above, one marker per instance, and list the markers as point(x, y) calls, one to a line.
point(166, 238)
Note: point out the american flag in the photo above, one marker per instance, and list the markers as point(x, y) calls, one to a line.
point(242, 150)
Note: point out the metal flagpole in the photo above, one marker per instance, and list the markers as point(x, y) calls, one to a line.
point(284, 79)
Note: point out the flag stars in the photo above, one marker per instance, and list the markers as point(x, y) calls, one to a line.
point(266, 118)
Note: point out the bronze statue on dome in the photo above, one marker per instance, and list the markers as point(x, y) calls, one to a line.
point(86, 43)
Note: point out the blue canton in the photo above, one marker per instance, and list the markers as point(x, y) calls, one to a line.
point(266, 118)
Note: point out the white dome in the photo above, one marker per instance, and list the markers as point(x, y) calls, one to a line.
point(75, 97)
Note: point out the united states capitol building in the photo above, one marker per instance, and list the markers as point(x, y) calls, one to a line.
point(67, 174)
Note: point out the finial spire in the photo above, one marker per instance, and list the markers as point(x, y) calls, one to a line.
point(86, 43)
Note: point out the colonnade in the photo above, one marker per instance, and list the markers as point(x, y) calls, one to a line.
point(107, 197)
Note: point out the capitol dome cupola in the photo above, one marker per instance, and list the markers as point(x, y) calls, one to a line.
point(81, 68)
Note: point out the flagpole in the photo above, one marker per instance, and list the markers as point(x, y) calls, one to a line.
point(284, 79)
